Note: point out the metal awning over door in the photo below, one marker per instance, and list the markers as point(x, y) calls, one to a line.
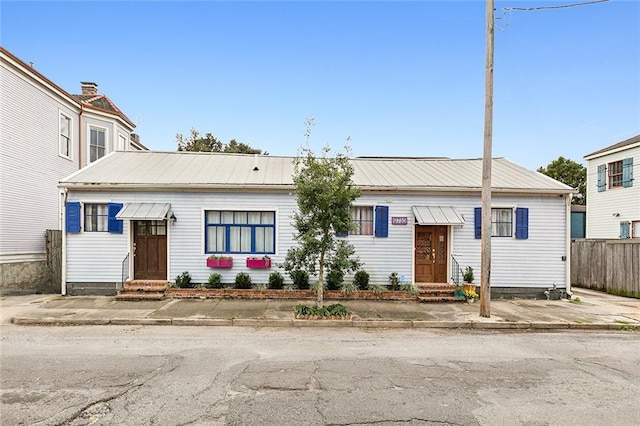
point(144, 211)
point(437, 215)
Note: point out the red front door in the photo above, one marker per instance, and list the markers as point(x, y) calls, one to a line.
point(431, 254)
point(150, 250)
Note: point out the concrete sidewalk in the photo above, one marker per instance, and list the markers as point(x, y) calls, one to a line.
point(589, 310)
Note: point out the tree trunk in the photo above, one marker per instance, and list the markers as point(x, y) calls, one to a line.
point(320, 290)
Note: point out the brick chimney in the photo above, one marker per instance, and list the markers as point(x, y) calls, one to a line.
point(89, 88)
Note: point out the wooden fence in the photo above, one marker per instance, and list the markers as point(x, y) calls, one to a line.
point(54, 259)
point(607, 265)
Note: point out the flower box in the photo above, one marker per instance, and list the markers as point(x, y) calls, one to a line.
point(220, 262)
point(259, 263)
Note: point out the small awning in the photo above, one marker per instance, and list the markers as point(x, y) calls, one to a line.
point(144, 211)
point(437, 215)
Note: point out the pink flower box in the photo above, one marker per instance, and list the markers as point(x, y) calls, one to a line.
point(260, 263)
point(221, 262)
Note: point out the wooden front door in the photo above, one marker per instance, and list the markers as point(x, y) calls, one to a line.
point(150, 250)
point(431, 254)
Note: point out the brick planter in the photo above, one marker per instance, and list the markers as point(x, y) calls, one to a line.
point(233, 293)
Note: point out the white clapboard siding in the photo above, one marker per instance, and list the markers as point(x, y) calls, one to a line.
point(534, 262)
point(606, 209)
point(30, 167)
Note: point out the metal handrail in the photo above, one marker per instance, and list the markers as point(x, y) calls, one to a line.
point(456, 272)
point(125, 269)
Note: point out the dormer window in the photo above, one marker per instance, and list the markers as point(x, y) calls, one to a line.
point(97, 143)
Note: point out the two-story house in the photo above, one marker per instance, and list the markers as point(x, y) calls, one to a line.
point(613, 207)
point(46, 134)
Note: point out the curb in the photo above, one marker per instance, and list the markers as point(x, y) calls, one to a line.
point(305, 323)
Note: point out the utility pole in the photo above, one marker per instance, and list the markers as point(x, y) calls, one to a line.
point(485, 266)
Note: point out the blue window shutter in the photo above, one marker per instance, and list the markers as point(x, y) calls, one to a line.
point(382, 221)
point(72, 216)
point(115, 225)
point(477, 221)
point(627, 172)
point(624, 230)
point(522, 223)
point(602, 177)
point(341, 234)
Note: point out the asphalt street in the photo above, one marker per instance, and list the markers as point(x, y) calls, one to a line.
point(154, 375)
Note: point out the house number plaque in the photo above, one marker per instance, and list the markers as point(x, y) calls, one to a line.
point(399, 220)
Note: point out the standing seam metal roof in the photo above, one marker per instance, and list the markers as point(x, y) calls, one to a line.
point(150, 169)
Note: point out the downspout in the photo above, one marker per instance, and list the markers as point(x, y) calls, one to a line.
point(80, 136)
point(568, 244)
point(63, 283)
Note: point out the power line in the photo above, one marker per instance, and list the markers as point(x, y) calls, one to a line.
point(506, 15)
point(562, 6)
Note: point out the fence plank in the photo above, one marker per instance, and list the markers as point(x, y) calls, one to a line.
point(54, 259)
point(607, 265)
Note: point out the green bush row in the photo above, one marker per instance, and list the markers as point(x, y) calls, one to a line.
point(300, 280)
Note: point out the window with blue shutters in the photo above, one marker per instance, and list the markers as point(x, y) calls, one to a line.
point(72, 214)
point(382, 221)
point(114, 225)
point(502, 222)
point(627, 172)
point(522, 223)
point(477, 221)
point(602, 178)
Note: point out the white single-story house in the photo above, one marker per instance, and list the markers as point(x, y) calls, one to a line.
point(161, 213)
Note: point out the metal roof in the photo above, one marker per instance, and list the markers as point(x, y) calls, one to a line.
point(144, 211)
point(619, 145)
point(197, 170)
point(437, 215)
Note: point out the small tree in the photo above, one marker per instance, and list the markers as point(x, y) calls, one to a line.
point(209, 143)
point(324, 192)
point(570, 173)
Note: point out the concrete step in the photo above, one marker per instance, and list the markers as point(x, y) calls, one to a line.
point(137, 296)
point(440, 299)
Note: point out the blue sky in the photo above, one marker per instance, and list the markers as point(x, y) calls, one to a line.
point(399, 78)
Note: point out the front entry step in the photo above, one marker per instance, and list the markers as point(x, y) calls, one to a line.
point(143, 290)
point(436, 292)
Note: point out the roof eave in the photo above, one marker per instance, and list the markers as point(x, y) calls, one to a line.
point(602, 153)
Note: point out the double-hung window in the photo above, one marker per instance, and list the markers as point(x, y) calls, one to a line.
point(615, 174)
point(251, 232)
point(97, 143)
point(362, 217)
point(65, 135)
point(96, 218)
point(501, 222)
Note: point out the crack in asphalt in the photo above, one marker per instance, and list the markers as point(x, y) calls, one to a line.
point(413, 419)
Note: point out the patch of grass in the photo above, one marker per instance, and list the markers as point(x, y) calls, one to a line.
point(621, 321)
point(581, 321)
point(575, 300)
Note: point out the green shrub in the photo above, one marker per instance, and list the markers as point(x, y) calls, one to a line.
point(376, 288)
point(260, 287)
point(276, 281)
point(361, 279)
point(215, 281)
point(336, 310)
point(349, 288)
point(334, 280)
point(184, 280)
point(394, 280)
point(410, 288)
point(300, 279)
point(243, 280)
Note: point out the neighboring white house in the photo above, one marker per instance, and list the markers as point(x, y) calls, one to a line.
point(46, 134)
point(613, 196)
point(170, 211)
